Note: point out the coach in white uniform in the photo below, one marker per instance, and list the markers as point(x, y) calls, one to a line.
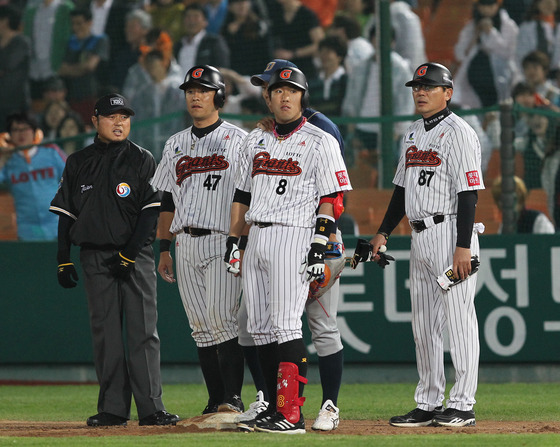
point(437, 179)
point(284, 177)
point(196, 174)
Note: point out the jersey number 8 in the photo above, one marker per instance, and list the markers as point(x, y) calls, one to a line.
point(281, 186)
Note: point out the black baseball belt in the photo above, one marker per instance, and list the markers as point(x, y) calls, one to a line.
point(263, 224)
point(421, 225)
point(196, 232)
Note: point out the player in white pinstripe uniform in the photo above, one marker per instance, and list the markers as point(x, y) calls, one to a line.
point(197, 174)
point(437, 180)
point(284, 176)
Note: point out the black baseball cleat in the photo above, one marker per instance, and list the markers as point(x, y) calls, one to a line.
point(161, 417)
point(247, 425)
point(105, 419)
point(234, 403)
point(452, 417)
point(415, 418)
point(210, 408)
point(279, 424)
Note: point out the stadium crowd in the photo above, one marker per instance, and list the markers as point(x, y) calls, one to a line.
point(58, 56)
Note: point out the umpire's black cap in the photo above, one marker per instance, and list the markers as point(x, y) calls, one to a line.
point(432, 74)
point(112, 103)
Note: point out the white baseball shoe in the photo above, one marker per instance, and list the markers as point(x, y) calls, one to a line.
point(328, 417)
point(247, 419)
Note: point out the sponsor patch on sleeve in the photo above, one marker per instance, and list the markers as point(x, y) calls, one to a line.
point(472, 178)
point(342, 178)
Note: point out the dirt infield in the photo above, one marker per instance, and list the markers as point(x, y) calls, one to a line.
point(347, 427)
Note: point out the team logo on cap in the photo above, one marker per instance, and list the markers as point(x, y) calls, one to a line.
point(197, 73)
point(270, 66)
point(422, 70)
point(117, 102)
point(123, 190)
point(285, 74)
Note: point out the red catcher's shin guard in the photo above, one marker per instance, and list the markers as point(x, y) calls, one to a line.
point(287, 391)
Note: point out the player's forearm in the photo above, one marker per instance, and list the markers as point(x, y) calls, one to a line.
point(164, 224)
point(64, 244)
point(237, 222)
point(395, 212)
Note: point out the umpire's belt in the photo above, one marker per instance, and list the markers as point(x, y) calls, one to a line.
point(421, 225)
point(195, 232)
point(263, 224)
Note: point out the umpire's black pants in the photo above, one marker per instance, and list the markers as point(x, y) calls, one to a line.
point(127, 362)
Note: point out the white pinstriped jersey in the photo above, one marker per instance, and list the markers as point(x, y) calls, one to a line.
point(287, 177)
point(200, 174)
point(436, 165)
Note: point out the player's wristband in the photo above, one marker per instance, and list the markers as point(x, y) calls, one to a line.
point(164, 245)
point(385, 235)
point(324, 226)
point(243, 242)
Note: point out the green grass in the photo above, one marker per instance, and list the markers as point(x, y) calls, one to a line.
point(500, 402)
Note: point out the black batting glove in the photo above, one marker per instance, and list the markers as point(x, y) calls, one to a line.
point(120, 266)
point(315, 263)
point(232, 258)
point(362, 253)
point(384, 259)
point(67, 275)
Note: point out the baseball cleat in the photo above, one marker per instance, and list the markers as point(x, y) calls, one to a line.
point(328, 417)
point(254, 410)
point(415, 418)
point(249, 424)
point(279, 424)
point(232, 404)
point(452, 417)
point(210, 408)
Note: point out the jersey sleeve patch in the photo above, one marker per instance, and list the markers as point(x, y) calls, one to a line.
point(472, 178)
point(342, 178)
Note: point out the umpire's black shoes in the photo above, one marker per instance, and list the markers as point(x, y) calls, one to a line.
point(161, 417)
point(415, 418)
point(105, 419)
point(452, 417)
point(234, 403)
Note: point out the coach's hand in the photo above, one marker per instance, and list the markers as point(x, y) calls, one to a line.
point(315, 263)
point(232, 257)
point(120, 266)
point(67, 275)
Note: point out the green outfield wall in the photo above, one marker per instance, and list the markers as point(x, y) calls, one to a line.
point(517, 300)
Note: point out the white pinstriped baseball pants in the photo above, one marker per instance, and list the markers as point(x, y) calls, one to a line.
point(209, 293)
point(274, 289)
point(432, 310)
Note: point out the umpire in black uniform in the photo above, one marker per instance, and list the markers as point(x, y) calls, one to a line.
point(107, 207)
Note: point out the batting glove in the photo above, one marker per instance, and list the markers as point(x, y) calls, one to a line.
point(232, 257)
point(67, 275)
point(362, 253)
point(315, 263)
point(384, 259)
point(119, 266)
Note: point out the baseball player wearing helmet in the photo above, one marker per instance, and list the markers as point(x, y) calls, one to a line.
point(196, 174)
point(436, 184)
point(321, 312)
point(107, 207)
point(285, 175)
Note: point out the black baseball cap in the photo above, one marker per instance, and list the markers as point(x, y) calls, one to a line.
point(431, 73)
point(272, 66)
point(112, 103)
